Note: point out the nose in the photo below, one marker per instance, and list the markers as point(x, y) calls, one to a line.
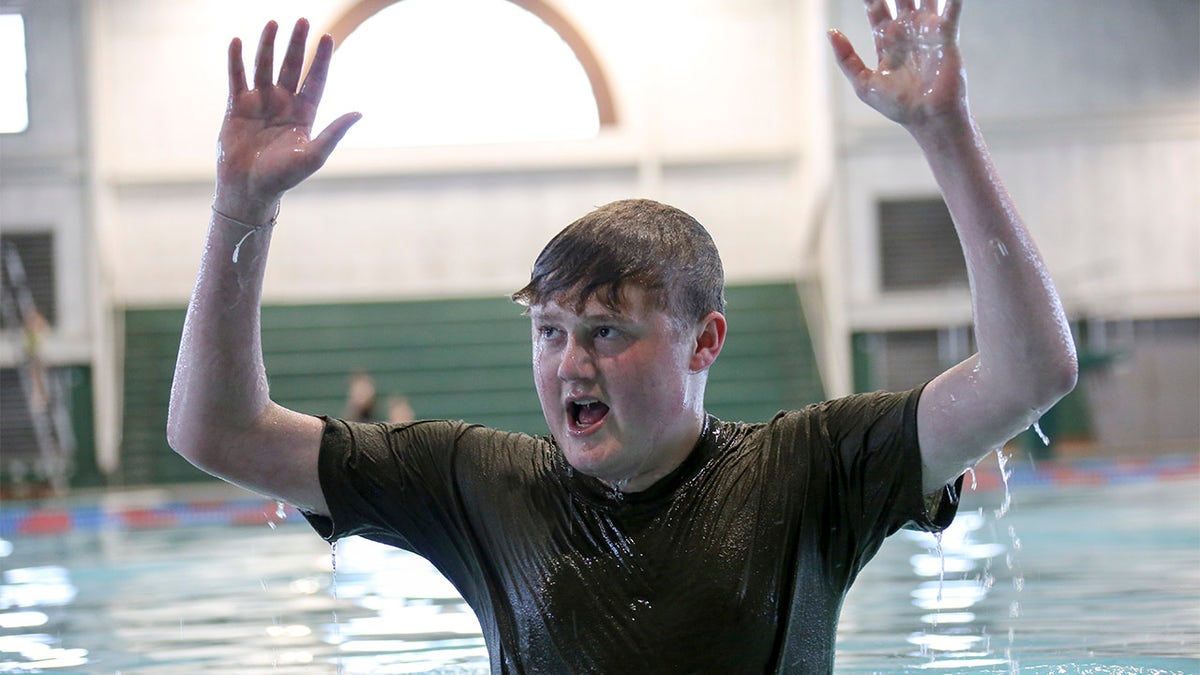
point(576, 363)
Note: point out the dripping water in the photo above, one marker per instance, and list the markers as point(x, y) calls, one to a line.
point(1014, 666)
point(942, 569)
point(280, 515)
point(1018, 577)
point(941, 553)
point(1037, 428)
point(333, 589)
point(1002, 460)
point(333, 585)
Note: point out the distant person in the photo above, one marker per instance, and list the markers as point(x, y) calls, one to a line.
point(399, 409)
point(643, 535)
point(361, 398)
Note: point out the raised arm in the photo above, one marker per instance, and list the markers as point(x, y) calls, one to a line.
point(221, 416)
point(1026, 359)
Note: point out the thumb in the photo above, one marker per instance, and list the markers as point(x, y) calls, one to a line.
point(329, 137)
point(848, 60)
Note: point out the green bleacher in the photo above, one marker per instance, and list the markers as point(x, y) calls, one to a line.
point(461, 359)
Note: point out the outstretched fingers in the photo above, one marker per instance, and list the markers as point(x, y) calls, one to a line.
point(311, 92)
point(849, 61)
point(878, 16)
point(314, 83)
point(293, 60)
point(951, 14)
point(264, 61)
point(237, 71)
point(877, 13)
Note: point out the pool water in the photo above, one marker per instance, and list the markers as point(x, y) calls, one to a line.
point(233, 599)
point(1072, 579)
point(1101, 578)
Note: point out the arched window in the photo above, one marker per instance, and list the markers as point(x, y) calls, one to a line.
point(444, 72)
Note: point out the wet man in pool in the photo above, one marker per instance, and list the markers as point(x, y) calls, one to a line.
point(643, 535)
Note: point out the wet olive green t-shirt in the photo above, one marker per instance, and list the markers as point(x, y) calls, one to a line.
point(736, 562)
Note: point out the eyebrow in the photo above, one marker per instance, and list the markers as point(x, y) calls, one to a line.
point(591, 317)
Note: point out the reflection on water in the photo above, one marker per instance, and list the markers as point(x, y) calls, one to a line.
point(414, 619)
point(1071, 580)
point(949, 633)
point(245, 599)
point(35, 587)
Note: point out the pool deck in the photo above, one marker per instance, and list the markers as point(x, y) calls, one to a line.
point(220, 504)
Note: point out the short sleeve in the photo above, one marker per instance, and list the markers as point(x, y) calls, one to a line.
point(877, 458)
point(856, 473)
point(389, 483)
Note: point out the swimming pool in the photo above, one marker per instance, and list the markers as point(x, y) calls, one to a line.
point(1093, 568)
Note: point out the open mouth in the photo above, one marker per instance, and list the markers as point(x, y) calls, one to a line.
point(586, 413)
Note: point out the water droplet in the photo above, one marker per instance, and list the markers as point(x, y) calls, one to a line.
point(1037, 428)
point(333, 588)
point(942, 570)
point(1002, 460)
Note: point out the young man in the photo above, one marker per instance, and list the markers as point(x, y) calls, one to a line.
point(643, 535)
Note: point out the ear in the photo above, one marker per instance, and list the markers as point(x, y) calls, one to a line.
point(710, 337)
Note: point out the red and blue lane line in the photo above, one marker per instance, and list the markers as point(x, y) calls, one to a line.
point(46, 518)
point(42, 518)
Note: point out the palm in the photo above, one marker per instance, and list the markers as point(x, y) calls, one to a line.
point(265, 145)
point(264, 142)
point(920, 72)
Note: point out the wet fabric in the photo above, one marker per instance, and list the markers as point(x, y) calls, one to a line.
point(735, 562)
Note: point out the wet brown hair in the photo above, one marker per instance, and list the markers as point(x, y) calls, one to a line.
point(633, 241)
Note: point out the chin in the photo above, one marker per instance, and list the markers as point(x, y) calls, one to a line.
point(590, 461)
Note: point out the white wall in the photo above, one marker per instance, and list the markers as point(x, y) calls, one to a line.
point(729, 109)
point(1092, 110)
point(708, 100)
point(1098, 145)
point(44, 173)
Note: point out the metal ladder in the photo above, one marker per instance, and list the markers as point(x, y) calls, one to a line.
point(44, 389)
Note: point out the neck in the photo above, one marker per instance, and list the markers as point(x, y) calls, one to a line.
point(673, 455)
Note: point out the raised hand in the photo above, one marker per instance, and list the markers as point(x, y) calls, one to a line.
point(266, 145)
point(920, 74)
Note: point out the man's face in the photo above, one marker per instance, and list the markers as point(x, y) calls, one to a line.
point(618, 388)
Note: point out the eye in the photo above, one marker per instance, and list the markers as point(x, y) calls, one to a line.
point(547, 332)
point(606, 332)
